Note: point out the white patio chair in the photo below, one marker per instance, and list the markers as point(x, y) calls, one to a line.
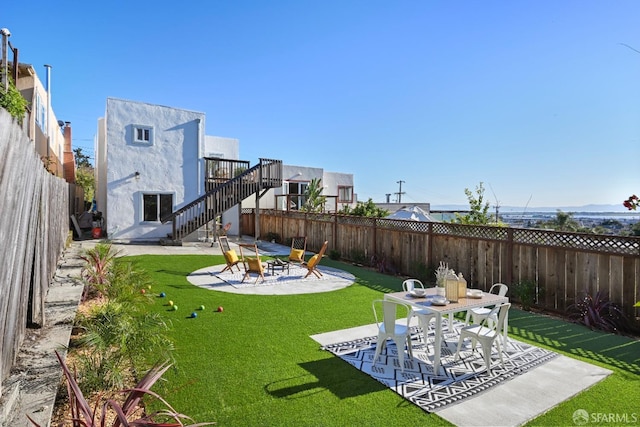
point(424, 316)
point(478, 314)
point(389, 327)
point(410, 285)
point(485, 335)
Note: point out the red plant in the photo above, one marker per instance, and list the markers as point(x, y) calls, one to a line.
point(598, 312)
point(83, 415)
point(632, 203)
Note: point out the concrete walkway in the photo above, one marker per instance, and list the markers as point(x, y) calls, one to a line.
point(510, 403)
point(33, 385)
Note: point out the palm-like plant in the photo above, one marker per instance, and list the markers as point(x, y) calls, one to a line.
point(598, 312)
point(85, 415)
point(314, 200)
point(99, 260)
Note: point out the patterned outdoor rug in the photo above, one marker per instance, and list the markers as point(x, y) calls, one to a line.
point(457, 380)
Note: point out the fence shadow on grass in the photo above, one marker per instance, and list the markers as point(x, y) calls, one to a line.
point(617, 351)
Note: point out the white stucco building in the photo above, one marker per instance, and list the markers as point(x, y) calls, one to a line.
point(149, 162)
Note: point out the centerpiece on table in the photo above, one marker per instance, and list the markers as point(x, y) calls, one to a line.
point(448, 284)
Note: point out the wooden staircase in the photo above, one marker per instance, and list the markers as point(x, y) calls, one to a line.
point(189, 218)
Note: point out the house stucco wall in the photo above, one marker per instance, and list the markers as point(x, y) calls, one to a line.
point(173, 163)
point(170, 164)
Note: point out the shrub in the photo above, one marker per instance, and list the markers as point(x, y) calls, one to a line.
point(527, 293)
point(271, 236)
point(598, 312)
point(334, 254)
point(84, 414)
point(13, 102)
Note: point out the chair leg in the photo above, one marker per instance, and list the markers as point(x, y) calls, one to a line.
point(379, 347)
point(457, 356)
point(400, 349)
point(486, 349)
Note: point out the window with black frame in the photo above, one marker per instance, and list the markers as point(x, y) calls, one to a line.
point(156, 206)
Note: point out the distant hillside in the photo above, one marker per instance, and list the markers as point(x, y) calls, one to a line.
point(516, 209)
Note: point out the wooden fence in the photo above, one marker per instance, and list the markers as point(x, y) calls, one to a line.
point(562, 265)
point(34, 207)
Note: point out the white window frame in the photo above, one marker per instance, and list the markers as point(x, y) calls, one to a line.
point(147, 135)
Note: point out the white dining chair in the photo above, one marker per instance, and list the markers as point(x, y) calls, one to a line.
point(424, 317)
point(390, 327)
point(485, 335)
point(478, 314)
point(410, 285)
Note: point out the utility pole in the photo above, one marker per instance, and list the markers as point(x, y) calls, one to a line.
point(388, 197)
point(400, 192)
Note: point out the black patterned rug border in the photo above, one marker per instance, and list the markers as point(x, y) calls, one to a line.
point(433, 393)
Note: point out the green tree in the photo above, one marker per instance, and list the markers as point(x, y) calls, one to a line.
point(85, 177)
point(368, 209)
point(563, 221)
point(478, 209)
point(82, 160)
point(314, 200)
point(86, 180)
point(13, 102)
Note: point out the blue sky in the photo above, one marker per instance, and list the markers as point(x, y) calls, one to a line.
point(539, 100)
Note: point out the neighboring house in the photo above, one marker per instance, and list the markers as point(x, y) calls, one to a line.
point(150, 161)
point(51, 137)
point(337, 188)
point(40, 123)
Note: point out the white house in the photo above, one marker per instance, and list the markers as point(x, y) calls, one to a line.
point(149, 162)
point(337, 187)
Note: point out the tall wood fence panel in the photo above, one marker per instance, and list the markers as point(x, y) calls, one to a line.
point(34, 207)
point(563, 266)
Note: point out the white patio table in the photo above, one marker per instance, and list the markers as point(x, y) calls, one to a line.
point(463, 304)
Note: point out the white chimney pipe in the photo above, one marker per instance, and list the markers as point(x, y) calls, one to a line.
point(48, 67)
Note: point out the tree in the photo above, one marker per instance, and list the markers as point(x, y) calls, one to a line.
point(563, 221)
point(82, 160)
point(314, 200)
point(368, 209)
point(84, 174)
point(478, 208)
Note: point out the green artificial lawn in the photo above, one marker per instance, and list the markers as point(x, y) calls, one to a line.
point(254, 364)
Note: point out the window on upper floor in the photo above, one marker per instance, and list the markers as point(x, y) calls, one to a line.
point(142, 135)
point(295, 191)
point(345, 194)
point(156, 206)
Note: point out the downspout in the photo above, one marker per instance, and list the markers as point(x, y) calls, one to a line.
point(48, 67)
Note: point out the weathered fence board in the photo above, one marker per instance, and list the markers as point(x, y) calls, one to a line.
point(34, 207)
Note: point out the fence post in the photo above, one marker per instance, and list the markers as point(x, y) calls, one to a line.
point(510, 256)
